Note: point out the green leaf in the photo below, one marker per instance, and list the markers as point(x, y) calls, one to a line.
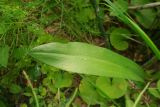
point(154, 92)
point(42, 91)
point(85, 15)
point(103, 105)
point(123, 5)
point(88, 92)
point(158, 85)
point(62, 79)
point(129, 102)
point(87, 59)
point(15, 89)
point(4, 54)
point(114, 88)
point(23, 105)
point(118, 38)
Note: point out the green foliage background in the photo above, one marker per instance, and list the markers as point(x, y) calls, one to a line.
point(25, 24)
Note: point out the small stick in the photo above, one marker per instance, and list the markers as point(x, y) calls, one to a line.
point(145, 6)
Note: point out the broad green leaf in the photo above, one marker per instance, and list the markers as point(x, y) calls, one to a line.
point(48, 83)
point(4, 54)
point(118, 38)
point(87, 59)
point(114, 88)
point(88, 92)
point(129, 102)
point(62, 79)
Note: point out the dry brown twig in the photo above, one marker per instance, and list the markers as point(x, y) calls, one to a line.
point(145, 6)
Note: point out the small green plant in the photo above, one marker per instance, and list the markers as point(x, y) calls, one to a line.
point(118, 11)
point(110, 87)
point(119, 37)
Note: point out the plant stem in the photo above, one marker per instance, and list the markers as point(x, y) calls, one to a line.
point(59, 96)
point(72, 98)
point(32, 89)
point(145, 6)
point(140, 95)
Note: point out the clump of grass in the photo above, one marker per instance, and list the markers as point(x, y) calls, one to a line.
point(124, 17)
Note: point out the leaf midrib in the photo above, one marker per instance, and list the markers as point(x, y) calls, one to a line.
point(100, 60)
